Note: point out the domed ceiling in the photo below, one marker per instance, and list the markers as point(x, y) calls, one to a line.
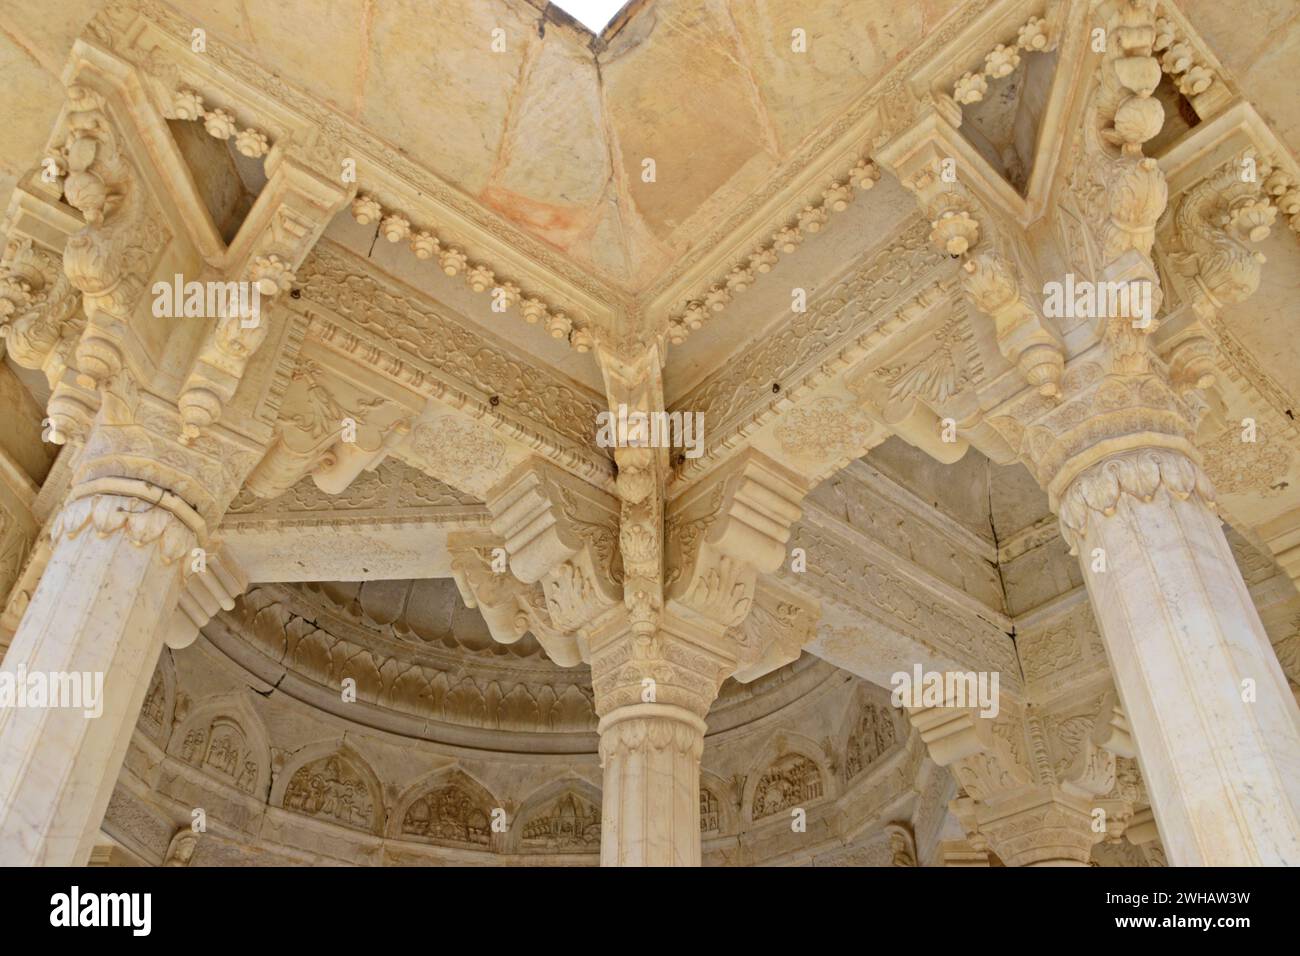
point(425, 664)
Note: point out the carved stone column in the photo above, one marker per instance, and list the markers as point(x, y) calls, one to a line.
point(113, 580)
point(121, 574)
point(657, 662)
point(1217, 728)
point(652, 693)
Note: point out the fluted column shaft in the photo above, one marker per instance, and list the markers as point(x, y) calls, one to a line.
point(113, 580)
point(1183, 638)
point(650, 754)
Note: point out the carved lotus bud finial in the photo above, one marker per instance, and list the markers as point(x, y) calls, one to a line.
point(1252, 218)
point(837, 196)
point(1137, 120)
point(98, 360)
point(763, 260)
point(1001, 61)
point(717, 298)
point(677, 331)
point(582, 340)
point(86, 193)
point(424, 245)
point(508, 292)
point(955, 231)
point(532, 309)
point(812, 218)
point(480, 278)
point(1177, 58)
point(739, 279)
point(452, 260)
point(1164, 35)
point(366, 210)
point(252, 144)
point(788, 238)
point(1192, 365)
point(271, 274)
point(865, 174)
point(1195, 81)
point(970, 88)
point(187, 105)
point(1033, 35)
point(15, 296)
point(199, 408)
point(1043, 367)
point(559, 325)
point(219, 123)
point(395, 228)
point(694, 314)
point(1276, 182)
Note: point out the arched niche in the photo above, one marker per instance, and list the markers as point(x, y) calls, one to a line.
point(332, 783)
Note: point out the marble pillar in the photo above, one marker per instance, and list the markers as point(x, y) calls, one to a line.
point(113, 581)
point(1217, 729)
point(650, 754)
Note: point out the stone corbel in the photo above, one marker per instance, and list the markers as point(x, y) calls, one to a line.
point(965, 209)
point(99, 182)
point(1026, 817)
point(1213, 225)
point(40, 311)
point(214, 586)
point(780, 622)
point(285, 222)
point(723, 533)
point(562, 533)
point(983, 762)
point(312, 435)
point(510, 608)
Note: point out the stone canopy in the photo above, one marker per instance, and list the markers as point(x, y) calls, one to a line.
point(967, 330)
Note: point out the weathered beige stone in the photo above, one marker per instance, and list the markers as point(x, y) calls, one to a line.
point(692, 651)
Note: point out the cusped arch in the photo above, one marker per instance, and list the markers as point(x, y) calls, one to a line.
point(717, 811)
point(871, 732)
point(790, 772)
point(224, 738)
point(331, 782)
point(563, 816)
point(446, 807)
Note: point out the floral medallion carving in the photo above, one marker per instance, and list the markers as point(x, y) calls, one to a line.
point(827, 430)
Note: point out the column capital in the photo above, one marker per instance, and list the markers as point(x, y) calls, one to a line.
point(1141, 473)
point(680, 664)
point(146, 515)
point(1032, 783)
